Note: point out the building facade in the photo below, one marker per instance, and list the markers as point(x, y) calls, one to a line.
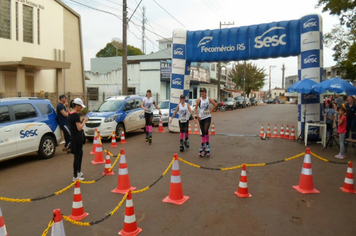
point(41, 48)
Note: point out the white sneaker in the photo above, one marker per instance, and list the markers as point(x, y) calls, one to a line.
point(80, 174)
point(340, 156)
point(78, 178)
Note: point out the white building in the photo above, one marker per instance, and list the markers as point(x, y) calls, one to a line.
point(41, 48)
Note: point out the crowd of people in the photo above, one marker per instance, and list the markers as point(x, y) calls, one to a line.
point(340, 113)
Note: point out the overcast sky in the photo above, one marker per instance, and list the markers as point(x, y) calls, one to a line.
point(163, 16)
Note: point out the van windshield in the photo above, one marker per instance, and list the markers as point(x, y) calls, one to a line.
point(110, 105)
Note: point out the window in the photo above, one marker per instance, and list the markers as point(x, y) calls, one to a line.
point(27, 24)
point(213, 67)
point(24, 111)
point(138, 103)
point(130, 105)
point(17, 21)
point(4, 114)
point(38, 26)
point(45, 109)
point(5, 17)
point(93, 93)
point(131, 90)
point(169, 45)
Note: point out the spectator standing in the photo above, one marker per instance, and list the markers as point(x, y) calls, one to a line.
point(329, 119)
point(350, 117)
point(339, 101)
point(342, 131)
point(62, 119)
point(76, 127)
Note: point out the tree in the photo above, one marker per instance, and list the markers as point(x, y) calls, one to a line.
point(342, 38)
point(114, 49)
point(254, 77)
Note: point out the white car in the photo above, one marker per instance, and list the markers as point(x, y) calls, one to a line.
point(164, 107)
point(192, 103)
point(116, 114)
point(28, 125)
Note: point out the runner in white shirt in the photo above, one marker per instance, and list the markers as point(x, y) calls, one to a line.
point(204, 117)
point(184, 110)
point(147, 105)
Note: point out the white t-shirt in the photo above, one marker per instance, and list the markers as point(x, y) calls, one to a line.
point(183, 113)
point(148, 104)
point(204, 111)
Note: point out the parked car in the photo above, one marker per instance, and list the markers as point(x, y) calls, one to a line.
point(253, 101)
point(164, 107)
point(270, 101)
point(116, 114)
point(260, 102)
point(240, 102)
point(248, 103)
point(28, 125)
point(230, 103)
point(192, 103)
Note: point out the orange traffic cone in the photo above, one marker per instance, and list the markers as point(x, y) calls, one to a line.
point(95, 141)
point(190, 129)
point(275, 134)
point(122, 139)
point(292, 135)
point(213, 129)
point(348, 183)
point(262, 132)
point(108, 165)
point(281, 133)
point(3, 231)
point(123, 179)
point(243, 189)
point(306, 178)
point(269, 135)
point(160, 125)
point(113, 140)
point(130, 225)
point(77, 207)
point(57, 227)
point(196, 129)
point(286, 135)
point(99, 157)
point(176, 189)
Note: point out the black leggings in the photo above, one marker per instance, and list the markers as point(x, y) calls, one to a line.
point(183, 127)
point(148, 118)
point(204, 126)
point(77, 164)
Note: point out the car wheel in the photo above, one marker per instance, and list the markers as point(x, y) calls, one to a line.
point(47, 147)
point(119, 128)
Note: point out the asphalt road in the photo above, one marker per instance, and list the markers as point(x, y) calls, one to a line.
point(275, 208)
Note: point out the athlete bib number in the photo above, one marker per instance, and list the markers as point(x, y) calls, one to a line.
point(183, 119)
point(206, 113)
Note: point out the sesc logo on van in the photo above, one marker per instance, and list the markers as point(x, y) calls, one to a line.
point(27, 132)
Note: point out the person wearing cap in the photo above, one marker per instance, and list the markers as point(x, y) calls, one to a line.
point(62, 119)
point(184, 110)
point(204, 117)
point(147, 105)
point(76, 128)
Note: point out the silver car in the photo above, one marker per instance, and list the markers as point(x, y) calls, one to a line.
point(164, 107)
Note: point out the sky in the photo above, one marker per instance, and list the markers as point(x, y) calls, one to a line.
point(162, 17)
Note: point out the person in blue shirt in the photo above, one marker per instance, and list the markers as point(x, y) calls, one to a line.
point(350, 117)
point(62, 119)
point(330, 114)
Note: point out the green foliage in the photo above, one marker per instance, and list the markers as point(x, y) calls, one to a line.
point(111, 51)
point(254, 77)
point(342, 38)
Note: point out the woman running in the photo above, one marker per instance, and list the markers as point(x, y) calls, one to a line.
point(147, 105)
point(184, 110)
point(204, 117)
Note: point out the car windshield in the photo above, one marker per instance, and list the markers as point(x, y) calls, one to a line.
point(252, 99)
point(110, 105)
point(164, 105)
point(239, 98)
point(228, 100)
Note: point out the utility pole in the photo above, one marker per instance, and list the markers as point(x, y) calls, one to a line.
point(283, 69)
point(143, 30)
point(124, 47)
point(219, 63)
point(270, 94)
point(245, 79)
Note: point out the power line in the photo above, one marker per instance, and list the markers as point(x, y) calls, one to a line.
point(169, 13)
point(96, 9)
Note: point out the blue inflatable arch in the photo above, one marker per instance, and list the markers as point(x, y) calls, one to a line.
point(302, 38)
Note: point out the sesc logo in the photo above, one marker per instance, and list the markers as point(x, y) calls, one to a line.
point(337, 86)
point(28, 133)
point(310, 23)
point(311, 59)
point(178, 52)
point(205, 40)
point(177, 81)
point(268, 41)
